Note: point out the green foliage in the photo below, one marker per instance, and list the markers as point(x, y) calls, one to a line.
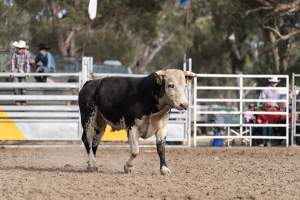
point(125, 29)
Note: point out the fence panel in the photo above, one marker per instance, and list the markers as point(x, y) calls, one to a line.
point(295, 107)
point(221, 104)
point(49, 110)
point(42, 110)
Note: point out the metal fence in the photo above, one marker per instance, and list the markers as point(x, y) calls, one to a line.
point(49, 110)
point(234, 111)
point(295, 107)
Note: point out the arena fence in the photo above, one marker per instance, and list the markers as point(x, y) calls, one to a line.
point(295, 124)
point(220, 102)
point(49, 110)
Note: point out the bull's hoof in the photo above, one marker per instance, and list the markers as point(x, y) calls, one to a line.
point(165, 171)
point(128, 169)
point(91, 169)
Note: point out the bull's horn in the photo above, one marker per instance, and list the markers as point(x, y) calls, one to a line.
point(189, 73)
point(161, 72)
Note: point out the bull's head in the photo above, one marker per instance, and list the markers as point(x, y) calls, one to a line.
point(174, 82)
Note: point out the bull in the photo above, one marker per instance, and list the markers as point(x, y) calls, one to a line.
point(139, 105)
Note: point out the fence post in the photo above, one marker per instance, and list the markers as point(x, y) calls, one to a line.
point(293, 128)
point(241, 81)
point(87, 69)
point(287, 112)
point(195, 112)
point(189, 112)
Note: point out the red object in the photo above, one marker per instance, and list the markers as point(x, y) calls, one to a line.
point(270, 119)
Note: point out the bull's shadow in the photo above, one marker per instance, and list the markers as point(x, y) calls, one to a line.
point(56, 169)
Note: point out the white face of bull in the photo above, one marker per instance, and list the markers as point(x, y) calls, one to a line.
point(175, 83)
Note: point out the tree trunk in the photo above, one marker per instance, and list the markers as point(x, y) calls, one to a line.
point(149, 53)
point(275, 51)
point(66, 41)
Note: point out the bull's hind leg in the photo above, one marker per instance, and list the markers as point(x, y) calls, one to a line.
point(133, 139)
point(89, 133)
point(99, 131)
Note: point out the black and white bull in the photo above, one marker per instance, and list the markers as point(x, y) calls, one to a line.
point(139, 105)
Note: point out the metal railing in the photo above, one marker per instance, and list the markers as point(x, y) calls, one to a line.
point(45, 107)
point(295, 106)
point(244, 129)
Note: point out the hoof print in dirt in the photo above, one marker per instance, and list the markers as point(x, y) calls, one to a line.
point(127, 169)
point(92, 169)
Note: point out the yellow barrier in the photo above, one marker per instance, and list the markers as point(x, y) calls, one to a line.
point(9, 130)
point(114, 136)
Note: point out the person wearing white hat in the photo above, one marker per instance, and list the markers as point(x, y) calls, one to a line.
point(20, 58)
point(20, 63)
point(269, 94)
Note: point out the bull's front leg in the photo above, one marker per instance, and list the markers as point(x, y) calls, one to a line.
point(133, 139)
point(160, 144)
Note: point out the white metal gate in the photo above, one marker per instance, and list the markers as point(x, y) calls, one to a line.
point(295, 106)
point(236, 126)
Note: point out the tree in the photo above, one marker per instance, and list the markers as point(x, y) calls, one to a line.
point(279, 22)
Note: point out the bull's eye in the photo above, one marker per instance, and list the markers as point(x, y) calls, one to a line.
point(171, 85)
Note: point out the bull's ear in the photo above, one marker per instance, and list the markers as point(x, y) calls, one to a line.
point(160, 76)
point(189, 76)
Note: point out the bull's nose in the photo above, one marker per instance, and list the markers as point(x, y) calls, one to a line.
point(184, 106)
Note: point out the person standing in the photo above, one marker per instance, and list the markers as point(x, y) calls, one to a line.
point(268, 94)
point(271, 93)
point(20, 63)
point(44, 62)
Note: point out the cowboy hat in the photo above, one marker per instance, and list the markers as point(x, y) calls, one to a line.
point(274, 80)
point(20, 44)
point(43, 46)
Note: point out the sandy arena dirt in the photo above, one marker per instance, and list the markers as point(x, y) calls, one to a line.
point(197, 173)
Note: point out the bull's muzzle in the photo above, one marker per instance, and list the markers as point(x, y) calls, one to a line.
point(184, 106)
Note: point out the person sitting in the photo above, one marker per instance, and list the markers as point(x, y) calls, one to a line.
point(44, 62)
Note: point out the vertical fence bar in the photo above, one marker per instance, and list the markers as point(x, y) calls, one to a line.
point(79, 119)
point(241, 103)
point(287, 111)
point(189, 112)
point(293, 111)
point(250, 132)
point(195, 112)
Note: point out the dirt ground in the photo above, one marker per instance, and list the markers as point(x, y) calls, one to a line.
point(197, 173)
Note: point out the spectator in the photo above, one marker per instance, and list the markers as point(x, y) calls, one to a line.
point(250, 117)
point(44, 62)
point(270, 93)
point(270, 119)
point(266, 119)
point(20, 63)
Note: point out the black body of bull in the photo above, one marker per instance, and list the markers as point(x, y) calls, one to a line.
point(119, 99)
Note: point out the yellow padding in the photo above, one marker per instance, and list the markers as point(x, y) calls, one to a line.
point(114, 136)
point(8, 129)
